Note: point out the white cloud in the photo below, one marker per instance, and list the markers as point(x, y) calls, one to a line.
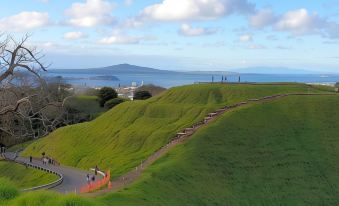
point(24, 21)
point(128, 2)
point(74, 35)
point(256, 46)
point(91, 13)
point(188, 30)
point(43, 1)
point(120, 39)
point(297, 22)
point(245, 38)
point(280, 47)
point(184, 10)
point(262, 18)
point(300, 22)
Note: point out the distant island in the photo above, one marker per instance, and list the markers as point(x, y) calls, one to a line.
point(100, 78)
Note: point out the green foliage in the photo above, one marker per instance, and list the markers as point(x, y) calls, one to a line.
point(280, 153)
point(142, 95)
point(130, 132)
point(105, 94)
point(7, 191)
point(114, 102)
point(23, 177)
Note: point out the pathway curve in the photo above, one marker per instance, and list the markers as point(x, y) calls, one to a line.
point(73, 178)
point(133, 175)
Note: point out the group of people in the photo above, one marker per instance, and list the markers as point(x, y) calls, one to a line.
point(48, 160)
point(90, 178)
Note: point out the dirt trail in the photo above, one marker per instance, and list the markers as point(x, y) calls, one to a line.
point(133, 175)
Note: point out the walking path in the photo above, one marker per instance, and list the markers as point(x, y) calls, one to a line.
point(74, 179)
point(133, 175)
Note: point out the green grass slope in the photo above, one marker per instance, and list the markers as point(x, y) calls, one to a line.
point(283, 152)
point(23, 177)
point(130, 132)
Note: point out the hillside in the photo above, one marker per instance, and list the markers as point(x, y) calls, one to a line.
point(283, 152)
point(124, 136)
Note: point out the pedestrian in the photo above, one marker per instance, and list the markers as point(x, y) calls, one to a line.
point(93, 178)
point(30, 159)
point(96, 170)
point(88, 179)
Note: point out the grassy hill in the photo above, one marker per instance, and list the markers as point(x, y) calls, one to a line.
point(23, 177)
point(130, 132)
point(280, 153)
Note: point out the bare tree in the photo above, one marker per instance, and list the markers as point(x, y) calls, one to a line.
point(27, 108)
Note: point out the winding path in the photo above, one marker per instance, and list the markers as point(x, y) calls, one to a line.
point(74, 178)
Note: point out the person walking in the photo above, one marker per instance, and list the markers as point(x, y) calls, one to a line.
point(30, 159)
point(93, 178)
point(88, 179)
point(96, 169)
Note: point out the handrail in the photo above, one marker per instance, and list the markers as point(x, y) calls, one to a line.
point(45, 186)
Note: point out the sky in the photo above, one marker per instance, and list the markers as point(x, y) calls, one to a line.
point(179, 34)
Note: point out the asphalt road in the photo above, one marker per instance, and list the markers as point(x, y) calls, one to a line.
point(73, 178)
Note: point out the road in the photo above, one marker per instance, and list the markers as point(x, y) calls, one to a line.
point(73, 178)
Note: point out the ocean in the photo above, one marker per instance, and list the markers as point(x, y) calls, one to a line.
point(172, 79)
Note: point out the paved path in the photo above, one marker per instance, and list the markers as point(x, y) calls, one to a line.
point(73, 178)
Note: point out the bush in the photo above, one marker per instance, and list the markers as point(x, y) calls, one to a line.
point(7, 191)
point(142, 95)
point(105, 94)
point(154, 90)
point(114, 102)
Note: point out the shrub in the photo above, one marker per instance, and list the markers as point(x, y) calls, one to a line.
point(114, 102)
point(154, 90)
point(142, 95)
point(105, 94)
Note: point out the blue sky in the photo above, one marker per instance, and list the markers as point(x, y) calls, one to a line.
point(180, 34)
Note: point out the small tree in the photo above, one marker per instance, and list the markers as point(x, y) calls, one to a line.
point(105, 94)
point(114, 102)
point(142, 95)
